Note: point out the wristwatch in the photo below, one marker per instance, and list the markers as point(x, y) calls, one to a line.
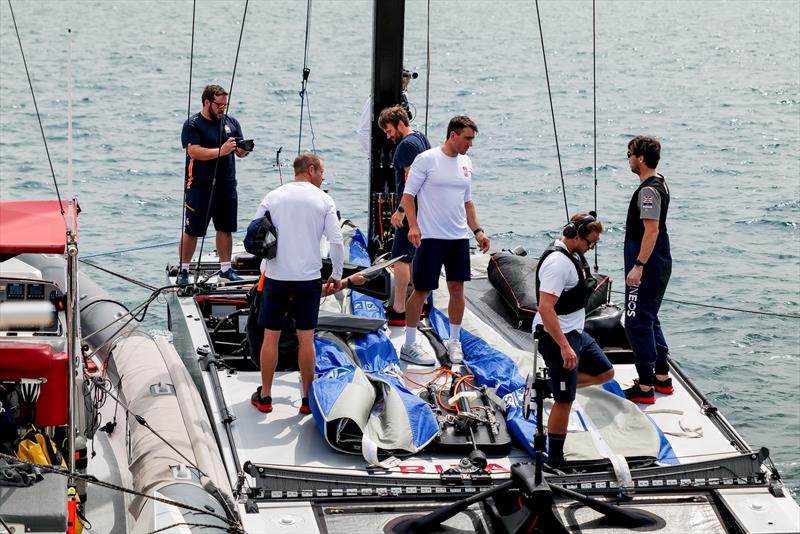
point(401, 209)
point(639, 262)
point(476, 230)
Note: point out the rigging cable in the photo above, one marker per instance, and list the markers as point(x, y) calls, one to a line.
point(132, 249)
point(428, 70)
point(38, 116)
point(311, 125)
point(594, 112)
point(219, 140)
point(552, 112)
point(126, 278)
point(726, 308)
point(306, 72)
point(186, 152)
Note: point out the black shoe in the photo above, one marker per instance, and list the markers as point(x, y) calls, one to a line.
point(637, 395)
point(663, 386)
point(395, 318)
point(264, 404)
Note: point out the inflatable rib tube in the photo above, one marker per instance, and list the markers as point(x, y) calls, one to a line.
point(359, 400)
point(154, 384)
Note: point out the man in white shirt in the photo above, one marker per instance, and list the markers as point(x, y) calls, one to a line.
point(440, 228)
point(574, 359)
point(302, 214)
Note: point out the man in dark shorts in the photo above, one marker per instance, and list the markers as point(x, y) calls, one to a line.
point(410, 143)
point(440, 228)
point(302, 214)
point(210, 179)
point(573, 358)
point(648, 264)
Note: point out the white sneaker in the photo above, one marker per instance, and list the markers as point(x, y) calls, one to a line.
point(454, 351)
point(415, 354)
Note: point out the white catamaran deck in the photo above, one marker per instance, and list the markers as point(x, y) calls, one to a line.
point(287, 439)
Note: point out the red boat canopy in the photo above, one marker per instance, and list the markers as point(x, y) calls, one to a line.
point(34, 226)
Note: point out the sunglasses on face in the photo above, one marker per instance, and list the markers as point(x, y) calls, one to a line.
point(221, 105)
point(592, 244)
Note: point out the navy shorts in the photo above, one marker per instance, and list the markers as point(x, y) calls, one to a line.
point(298, 299)
point(432, 254)
point(591, 360)
point(401, 246)
point(223, 210)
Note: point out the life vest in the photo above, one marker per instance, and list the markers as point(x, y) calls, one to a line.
point(634, 227)
point(576, 298)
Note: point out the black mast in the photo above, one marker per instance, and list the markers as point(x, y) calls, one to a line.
point(387, 71)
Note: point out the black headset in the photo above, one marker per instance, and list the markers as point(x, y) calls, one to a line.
point(577, 228)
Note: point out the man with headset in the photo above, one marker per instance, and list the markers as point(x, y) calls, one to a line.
point(573, 357)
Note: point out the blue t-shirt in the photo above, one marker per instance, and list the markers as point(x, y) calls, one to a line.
point(407, 150)
point(197, 130)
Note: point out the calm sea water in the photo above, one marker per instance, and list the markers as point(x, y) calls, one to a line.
point(717, 82)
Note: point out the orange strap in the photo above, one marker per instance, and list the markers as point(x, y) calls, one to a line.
point(260, 288)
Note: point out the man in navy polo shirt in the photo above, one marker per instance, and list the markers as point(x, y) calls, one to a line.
point(410, 143)
point(440, 179)
point(210, 179)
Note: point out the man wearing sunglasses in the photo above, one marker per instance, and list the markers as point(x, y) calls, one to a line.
point(648, 267)
point(210, 179)
point(573, 357)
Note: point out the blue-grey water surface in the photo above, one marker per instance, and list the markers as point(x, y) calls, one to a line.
point(717, 82)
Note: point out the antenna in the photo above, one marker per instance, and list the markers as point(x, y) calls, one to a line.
point(70, 197)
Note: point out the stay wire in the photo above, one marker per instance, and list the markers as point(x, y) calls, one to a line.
point(726, 308)
point(38, 116)
point(594, 113)
point(428, 69)
point(118, 275)
point(552, 111)
point(186, 153)
point(306, 72)
point(222, 124)
point(311, 126)
point(132, 249)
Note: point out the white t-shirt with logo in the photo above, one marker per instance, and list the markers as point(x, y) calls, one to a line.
point(302, 213)
point(442, 184)
point(556, 275)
